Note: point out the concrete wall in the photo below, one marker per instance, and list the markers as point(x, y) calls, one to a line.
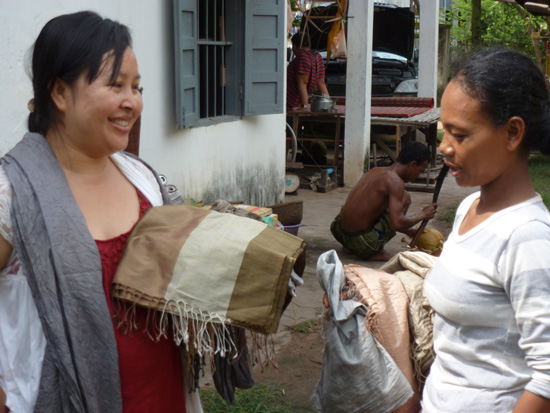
point(358, 91)
point(243, 160)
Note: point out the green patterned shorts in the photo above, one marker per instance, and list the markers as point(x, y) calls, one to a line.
point(365, 243)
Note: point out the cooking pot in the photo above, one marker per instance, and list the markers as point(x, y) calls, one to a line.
point(322, 103)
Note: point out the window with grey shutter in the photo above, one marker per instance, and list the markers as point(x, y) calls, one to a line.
point(229, 59)
point(265, 54)
point(187, 92)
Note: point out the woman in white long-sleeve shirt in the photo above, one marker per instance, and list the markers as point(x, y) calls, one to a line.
point(491, 286)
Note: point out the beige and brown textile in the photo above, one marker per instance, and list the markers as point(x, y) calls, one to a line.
point(412, 267)
point(399, 315)
point(387, 318)
point(207, 269)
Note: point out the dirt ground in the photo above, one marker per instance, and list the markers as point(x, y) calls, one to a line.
point(298, 342)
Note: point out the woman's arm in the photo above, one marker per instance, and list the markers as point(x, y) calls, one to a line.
point(2, 401)
point(525, 270)
point(5, 251)
point(531, 403)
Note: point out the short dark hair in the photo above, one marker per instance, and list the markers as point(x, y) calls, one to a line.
point(300, 40)
point(68, 46)
point(414, 151)
point(508, 83)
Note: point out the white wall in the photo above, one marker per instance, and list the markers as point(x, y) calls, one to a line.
point(428, 50)
point(237, 161)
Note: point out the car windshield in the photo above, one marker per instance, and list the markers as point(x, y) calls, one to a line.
point(379, 55)
point(387, 55)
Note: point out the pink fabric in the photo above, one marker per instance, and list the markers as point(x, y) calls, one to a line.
point(387, 317)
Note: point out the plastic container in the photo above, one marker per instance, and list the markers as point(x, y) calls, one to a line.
point(292, 229)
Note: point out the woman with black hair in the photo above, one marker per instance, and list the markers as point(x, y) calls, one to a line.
point(491, 286)
point(69, 198)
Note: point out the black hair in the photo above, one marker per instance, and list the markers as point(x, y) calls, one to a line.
point(300, 41)
point(414, 151)
point(507, 84)
point(68, 46)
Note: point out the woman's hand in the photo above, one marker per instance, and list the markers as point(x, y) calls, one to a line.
point(531, 403)
point(326, 303)
point(3, 408)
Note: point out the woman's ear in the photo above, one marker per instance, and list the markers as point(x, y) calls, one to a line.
point(516, 132)
point(59, 95)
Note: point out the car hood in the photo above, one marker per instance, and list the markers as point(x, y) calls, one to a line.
point(393, 29)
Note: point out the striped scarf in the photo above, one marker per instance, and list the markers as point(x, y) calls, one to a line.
point(208, 270)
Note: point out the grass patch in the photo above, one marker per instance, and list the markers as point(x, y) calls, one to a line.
point(448, 215)
point(306, 327)
point(539, 171)
point(259, 399)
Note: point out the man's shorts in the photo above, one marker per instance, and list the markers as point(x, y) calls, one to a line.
point(365, 243)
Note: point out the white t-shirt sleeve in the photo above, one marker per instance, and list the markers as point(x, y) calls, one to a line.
point(525, 265)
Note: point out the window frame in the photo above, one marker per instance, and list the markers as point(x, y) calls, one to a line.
point(255, 29)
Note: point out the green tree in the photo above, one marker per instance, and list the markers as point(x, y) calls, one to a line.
point(502, 24)
point(476, 24)
point(295, 7)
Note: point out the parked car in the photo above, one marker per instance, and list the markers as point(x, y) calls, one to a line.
point(393, 70)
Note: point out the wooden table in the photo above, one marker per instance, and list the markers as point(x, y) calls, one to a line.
point(299, 117)
point(425, 122)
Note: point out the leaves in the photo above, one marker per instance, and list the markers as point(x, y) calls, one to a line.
point(502, 25)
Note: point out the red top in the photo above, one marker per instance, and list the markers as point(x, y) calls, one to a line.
point(308, 63)
point(151, 374)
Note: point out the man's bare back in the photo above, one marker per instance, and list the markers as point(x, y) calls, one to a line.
point(368, 200)
point(383, 189)
point(376, 208)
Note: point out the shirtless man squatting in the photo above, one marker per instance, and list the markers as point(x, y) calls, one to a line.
point(376, 208)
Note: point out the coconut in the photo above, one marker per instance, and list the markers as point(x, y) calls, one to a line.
point(431, 241)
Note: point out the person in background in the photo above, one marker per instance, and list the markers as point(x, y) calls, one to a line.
point(69, 198)
point(377, 206)
point(490, 287)
point(305, 73)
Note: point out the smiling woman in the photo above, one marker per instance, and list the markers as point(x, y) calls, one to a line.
point(96, 117)
point(491, 285)
point(69, 198)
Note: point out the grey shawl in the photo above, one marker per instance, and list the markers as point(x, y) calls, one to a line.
point(63, 268)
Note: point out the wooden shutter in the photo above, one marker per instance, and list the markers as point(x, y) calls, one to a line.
point(264, 57)
point(187, 76)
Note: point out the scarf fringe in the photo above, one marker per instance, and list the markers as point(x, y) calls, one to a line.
point(371, 319)
point(262, 350)
point(192, 328)
point(200, 333)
